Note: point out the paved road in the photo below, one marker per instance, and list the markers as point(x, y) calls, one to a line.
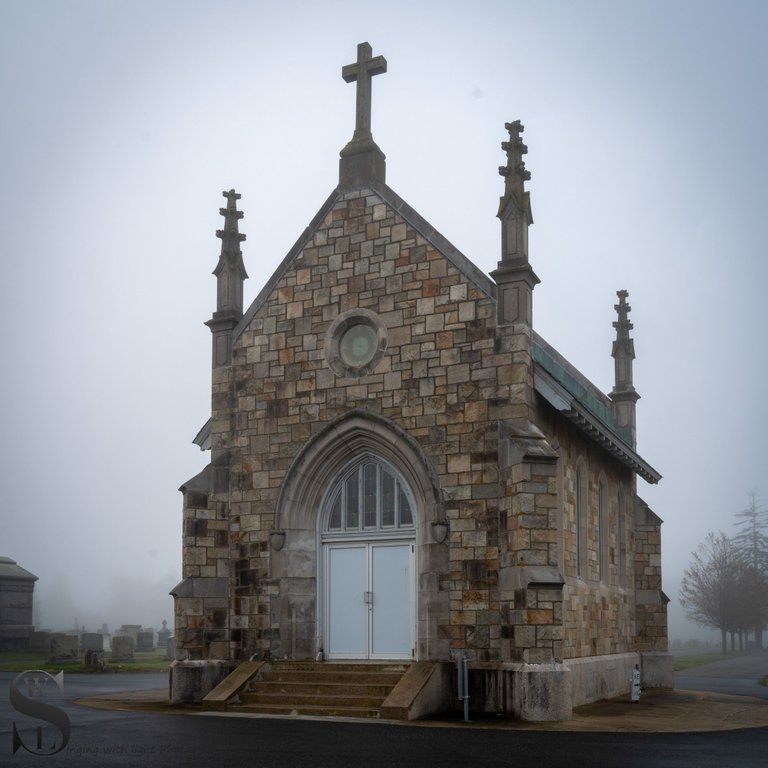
point(103, 738)
point(737, 676)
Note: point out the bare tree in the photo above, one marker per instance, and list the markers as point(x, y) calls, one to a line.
point(751, 601)
point(709, 592)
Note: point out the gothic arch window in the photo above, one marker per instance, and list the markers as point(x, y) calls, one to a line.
point(368, 497)
point(621, 537)
point(582, 515)
point(603, 534)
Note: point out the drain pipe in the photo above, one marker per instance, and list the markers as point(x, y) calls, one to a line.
point(463, 673)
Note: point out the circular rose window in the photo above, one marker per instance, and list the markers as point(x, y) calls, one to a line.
point(358, 345)
point(355, 343)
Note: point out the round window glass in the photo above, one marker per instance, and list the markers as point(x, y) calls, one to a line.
point(358, 345)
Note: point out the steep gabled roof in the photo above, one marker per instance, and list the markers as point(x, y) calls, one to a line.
point(555, 379)
point(409, 215)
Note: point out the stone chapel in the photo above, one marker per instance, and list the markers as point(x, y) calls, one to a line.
point(404, 474)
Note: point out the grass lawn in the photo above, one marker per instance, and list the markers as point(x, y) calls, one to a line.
point(695, 660)
point(143, 661)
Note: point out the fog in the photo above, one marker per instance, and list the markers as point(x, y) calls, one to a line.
point(124, 120)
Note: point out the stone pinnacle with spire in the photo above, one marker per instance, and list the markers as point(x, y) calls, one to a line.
point(361, 160)
point(624, 396)
point(514, 275)
point(230, 274)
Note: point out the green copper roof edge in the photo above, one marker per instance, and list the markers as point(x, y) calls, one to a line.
point(601, 411)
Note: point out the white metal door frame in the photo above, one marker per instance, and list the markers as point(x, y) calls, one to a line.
point(367, 593)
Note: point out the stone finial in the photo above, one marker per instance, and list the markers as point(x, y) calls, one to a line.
point(361, 159)
point(230, 270)
point(230, 274)
point(514, 172)
point(623, 326)
point(514, 275)
point(624, 395)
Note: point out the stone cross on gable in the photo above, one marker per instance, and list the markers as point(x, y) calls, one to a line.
point(362, 71)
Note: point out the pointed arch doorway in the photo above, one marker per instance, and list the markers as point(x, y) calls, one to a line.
point(368, 543)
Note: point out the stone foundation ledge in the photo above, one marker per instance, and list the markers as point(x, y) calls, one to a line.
point(548, 692)
point(190, 681)
point(657, 669)
point(606, 677)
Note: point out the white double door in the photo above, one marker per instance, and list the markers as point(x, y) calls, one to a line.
point(369, 600)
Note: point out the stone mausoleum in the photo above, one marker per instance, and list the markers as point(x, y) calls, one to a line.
point(17, 586)
point(402, 470)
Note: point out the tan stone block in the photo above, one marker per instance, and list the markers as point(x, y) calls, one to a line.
point(463, 617)
point(426, 388)
point(474, 538)
point(398, 232)
point(425, 307)
point(458, 373)
point(539, 616)
point(392, 380)
point(476, 411)
point(458, 292)
point(459, 463)
point(474, 599)
point(524, 636)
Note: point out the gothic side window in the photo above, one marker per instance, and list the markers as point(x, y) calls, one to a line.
point(368, 496)
point(581, 520)
point(603, 533)
point(621, 538)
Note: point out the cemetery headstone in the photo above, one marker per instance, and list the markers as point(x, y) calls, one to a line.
point(64, 648)
point(145, 640)
point(122, 648)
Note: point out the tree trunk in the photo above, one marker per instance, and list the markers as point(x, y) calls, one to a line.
point(723, 642)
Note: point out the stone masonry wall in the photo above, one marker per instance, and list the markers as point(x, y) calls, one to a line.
point(598, 611)
point(442, 379)
point(462, 389)
point(651, 617)
point(202, 620)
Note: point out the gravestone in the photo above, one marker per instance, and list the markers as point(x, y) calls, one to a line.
point(145, 640)
point(64, 648)
point(130, 629)
point(163, 635)
point(122, 648)
point(92, 641)
point(170, 648)
point(41, 641)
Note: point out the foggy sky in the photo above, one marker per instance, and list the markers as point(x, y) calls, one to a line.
point(123, 120)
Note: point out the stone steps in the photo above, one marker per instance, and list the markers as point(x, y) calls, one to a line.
point(321, 688)
point(325, 688)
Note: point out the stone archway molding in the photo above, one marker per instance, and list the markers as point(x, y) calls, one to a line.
point(319, 461)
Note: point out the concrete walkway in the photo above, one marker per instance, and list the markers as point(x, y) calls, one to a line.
point(656, 712)
point(709, 708)
point(737, 675)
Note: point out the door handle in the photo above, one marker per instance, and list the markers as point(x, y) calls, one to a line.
point(368, 598)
